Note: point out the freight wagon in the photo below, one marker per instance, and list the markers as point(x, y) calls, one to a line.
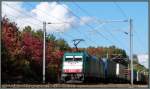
point(139, 77)
point(114, 72)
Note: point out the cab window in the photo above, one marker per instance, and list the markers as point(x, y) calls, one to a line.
point(69, 59)
point(78, 59)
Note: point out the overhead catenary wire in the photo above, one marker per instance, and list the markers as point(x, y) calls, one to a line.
point(34, 24)
point(140, 42)
point(57, 29)
point(90, 27)
point(68, 35)
point(82, 9)
point(27, 15)
point(126, 16)
point(121, 10)
point(21, 12)
point(79, 17)
point(90, 16)
point(46, 14)
point(77, 30)
point(118, 41)
point(113, 36)
point(61, 20)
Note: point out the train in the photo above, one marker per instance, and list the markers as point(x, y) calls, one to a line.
point(81, 66)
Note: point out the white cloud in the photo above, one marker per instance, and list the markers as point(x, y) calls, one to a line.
point(55, 13)
point(8, 9)
point(143, 59)
point(15, 12)
point(85, 20)
point(44, 11)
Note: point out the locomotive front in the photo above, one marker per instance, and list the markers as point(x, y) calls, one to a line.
point(72, 67)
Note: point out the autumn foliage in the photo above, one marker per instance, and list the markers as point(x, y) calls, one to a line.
point(23, 51)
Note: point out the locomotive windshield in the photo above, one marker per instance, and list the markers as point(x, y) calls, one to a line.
point(73, 58)
point(78, 58)
point(69, 58)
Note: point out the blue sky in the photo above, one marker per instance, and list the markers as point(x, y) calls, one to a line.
point(113, 33)
point(109, 11)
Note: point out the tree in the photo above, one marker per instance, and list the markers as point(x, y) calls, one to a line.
point(11, 52)
point(27, 29)
point(50, 37)
point(62, 44)
point(135, 58)
point(33, 52)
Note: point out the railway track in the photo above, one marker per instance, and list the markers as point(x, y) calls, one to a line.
point(85, 85)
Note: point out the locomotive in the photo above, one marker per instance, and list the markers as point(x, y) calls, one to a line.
point(83, 67)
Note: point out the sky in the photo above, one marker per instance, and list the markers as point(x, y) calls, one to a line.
point(142, 58)
point(86, 20)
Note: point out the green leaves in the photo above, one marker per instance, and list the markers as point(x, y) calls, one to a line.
point(62, 44)
point(27, 29)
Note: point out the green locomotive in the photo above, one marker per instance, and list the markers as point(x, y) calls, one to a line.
point(82, 67)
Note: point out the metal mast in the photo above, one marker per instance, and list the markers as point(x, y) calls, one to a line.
point(44, 33)
point(131, 49)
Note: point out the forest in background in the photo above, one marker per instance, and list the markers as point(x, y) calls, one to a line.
point(22, 54)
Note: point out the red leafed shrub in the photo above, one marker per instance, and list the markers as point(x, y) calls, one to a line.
point(32, 47)
point(10, 37)
point(59, 54)
point(49, 52)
